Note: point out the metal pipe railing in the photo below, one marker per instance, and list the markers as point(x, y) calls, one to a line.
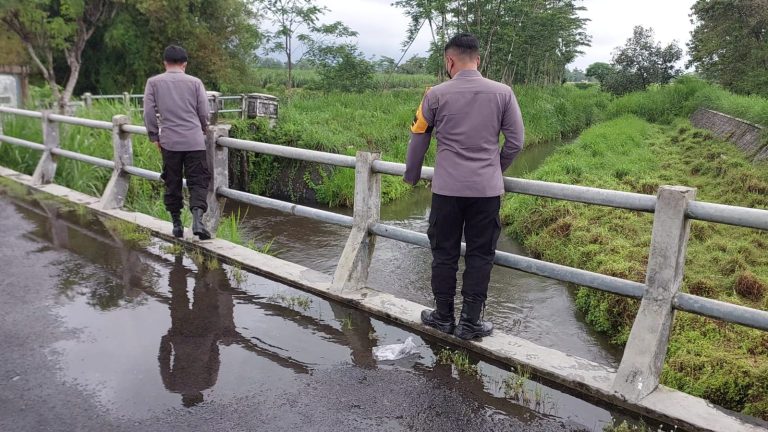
point(289, 152)
point(21, 143)
point(719, 213)
point(285, 207)
point(77, 121)
point(102, 163)
point(729, 215)
point(142, 173)
point(21, 112)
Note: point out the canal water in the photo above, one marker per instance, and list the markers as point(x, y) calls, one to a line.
point(156, 338)
point(535, 308)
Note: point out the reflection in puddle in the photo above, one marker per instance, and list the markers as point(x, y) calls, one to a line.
point(158, 332)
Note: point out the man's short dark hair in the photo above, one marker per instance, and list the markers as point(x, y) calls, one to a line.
point(175, 54)
point(464, 44)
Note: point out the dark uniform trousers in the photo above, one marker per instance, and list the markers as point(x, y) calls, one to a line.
point(478, 219)
point(194, 166)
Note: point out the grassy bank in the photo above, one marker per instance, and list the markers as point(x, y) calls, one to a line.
point(664, 104)
point(726, 364)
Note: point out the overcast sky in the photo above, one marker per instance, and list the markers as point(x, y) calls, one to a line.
point(382, 26)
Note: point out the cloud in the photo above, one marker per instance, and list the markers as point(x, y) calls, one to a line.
point(382, 27)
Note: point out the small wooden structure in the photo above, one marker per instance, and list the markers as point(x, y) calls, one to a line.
point(14, 85)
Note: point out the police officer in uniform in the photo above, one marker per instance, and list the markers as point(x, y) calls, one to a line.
point(176, 116)
point(466, 116)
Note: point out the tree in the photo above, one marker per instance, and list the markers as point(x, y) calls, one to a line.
point(298, 25)
point(413, 66)
point(575, 75)
point(343, 68)
point(642, 61)
point(600, 71)
point(730, 43)
point(50, 29)
point(12, 51)
point(221, 37)
point(522, 41)
point(270, 63)
point(385, 64)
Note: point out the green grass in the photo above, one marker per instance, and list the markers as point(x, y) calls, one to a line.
point(666, 103)
point(460, 360)
point(274, 80)
point(380, 121)
point(724, 363)
point(626, 427)
point(132, 234)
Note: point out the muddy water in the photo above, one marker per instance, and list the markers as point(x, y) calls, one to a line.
point(157, 338)
point(535, 308)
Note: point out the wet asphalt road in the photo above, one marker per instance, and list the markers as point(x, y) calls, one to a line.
point(41, 346)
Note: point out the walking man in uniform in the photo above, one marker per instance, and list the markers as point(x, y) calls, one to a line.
point(176, 116)
point(466, 115)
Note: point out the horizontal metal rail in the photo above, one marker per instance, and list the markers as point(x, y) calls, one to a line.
point(230, 97)
point(286, 207)
point(143, 173)
point(78, 121)
point(21, 112)
point(729, 215)
point(289, 152)
point(21, 143)
point(528, 265)
point(133, 129)
point(722, 311)
point(239, 110)
point(587, 195)
point(103, 163)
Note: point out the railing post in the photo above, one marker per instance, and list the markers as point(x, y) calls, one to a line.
point(88, 99)
point(218, 166)
point(243, 106)
point(117, 188)
point(127, 99)
point(46, 167)
point(646, 349)
point(352, 270)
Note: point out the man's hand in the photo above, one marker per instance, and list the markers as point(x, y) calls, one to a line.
point(157, 143)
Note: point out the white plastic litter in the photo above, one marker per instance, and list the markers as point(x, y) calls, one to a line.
point(396, 351)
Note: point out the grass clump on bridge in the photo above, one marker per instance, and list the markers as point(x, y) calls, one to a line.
point(459, 360)
point(726, 364)
point(132, 234)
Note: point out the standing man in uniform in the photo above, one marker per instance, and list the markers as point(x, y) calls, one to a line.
point(176, 116)
point(466, 115)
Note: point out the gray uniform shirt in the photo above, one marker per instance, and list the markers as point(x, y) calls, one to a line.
point(176, 111)
point(466, 114)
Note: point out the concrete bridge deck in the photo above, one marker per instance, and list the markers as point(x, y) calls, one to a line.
point(88, 344)
point(585, 376)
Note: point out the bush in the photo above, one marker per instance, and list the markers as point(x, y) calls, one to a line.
point(343, 68)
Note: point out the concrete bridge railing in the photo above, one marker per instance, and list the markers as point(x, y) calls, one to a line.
point(674, 208)
point(243, 105)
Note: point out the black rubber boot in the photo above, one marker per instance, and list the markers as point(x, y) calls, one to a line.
point(440, 318)
point(471, 326)
point(198, 228)
point(178, 228)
